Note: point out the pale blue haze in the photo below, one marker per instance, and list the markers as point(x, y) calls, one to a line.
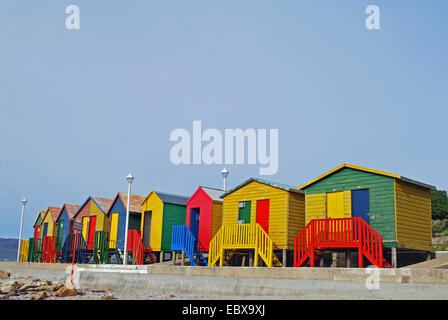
point(81, 109)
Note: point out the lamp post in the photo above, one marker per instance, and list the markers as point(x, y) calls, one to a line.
point(130, 179)
point(21, 227)
point(224, 174)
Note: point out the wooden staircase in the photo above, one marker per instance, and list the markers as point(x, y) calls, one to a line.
point(183, 239)
point(320, 234)
point(101, 248)
point(242, 236)
point(69, 246)
point(140, 254)
point(49, 249)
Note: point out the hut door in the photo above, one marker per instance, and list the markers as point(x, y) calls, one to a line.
point(60, 235)
point(147, 228)
point(45, 229)
point(335, 205)
point(263, 214)
point(92, 225)
point(36, 232)
point(113, 230)
point(360, 204)
point(85, 225)
point(194, 222)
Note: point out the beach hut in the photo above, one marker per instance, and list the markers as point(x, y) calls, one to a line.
point(392, 210)
point(65, 223)
point(92, 214)
point(34, 244)
point(117, 226)
point(203, 220)
point(37, 224)
point(160, 212)
point(48, 234)
point(260, 218)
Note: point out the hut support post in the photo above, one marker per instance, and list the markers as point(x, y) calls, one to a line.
point(251, 258)
point(243, 261)
point(284, 262)
point(161, 257)
point(183, 258)
point(173, 257)
point(428, 255)
point(348, 258)
point(394, 257)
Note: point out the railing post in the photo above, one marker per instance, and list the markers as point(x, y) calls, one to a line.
point(256, 249)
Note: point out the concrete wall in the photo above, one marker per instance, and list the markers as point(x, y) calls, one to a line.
point(232, 282)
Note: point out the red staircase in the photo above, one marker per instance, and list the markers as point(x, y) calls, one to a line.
point(135, 245)
point(49, 249)
point(320, 234)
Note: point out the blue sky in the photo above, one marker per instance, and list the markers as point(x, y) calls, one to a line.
point(83, 108)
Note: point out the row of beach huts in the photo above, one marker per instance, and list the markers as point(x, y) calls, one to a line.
point(370, 215)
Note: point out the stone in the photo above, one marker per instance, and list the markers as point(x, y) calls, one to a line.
point(39, 296)
point(7, 289)
point(65, 291)
point(108, 297)
point(4, 275)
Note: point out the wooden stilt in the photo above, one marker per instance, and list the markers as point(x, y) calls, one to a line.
point(251, 258)
point(348, 258)
point(285, 259)
point(360, 262)
point(243, 261)
point(183, 258)
point(334, 257)
point(394, 257)
point(161, 257)
point(255, 258)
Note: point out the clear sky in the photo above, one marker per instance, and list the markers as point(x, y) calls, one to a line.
point(80, 109)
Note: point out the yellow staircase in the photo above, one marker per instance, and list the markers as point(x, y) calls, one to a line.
point(242, 236)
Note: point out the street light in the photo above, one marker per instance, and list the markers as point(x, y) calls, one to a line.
point(21, 227)
point(224, 174)
point(130, 179)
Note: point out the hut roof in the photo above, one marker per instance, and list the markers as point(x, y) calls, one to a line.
point(346, 165)
point(266, 182)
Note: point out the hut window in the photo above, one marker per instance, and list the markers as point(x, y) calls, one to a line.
point(244, 212)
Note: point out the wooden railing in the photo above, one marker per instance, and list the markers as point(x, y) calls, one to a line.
point(183, 239)
point(24, 251)
point(49, 249)
point(242, 236)
point(339, 233)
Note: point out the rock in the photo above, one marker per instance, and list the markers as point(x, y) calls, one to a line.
point(28, 286)
point(65, 291)
point(36, 280)
point(108, 297)
point(4, 297)
point(58, 286)
point(47, 282)
point(172, 296)
point(4, 275)
point(7, 289)
point(39, 296)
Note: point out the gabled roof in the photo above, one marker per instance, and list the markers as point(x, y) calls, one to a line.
point(41, 216)
point(383, 173)
point(54, 212)
point(103, 203)
point(169, 198)
point(266, 182)
point(135, 202)
point(215, 194)
point(71, 209)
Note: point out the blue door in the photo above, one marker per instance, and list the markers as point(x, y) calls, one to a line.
point(360, 204)
point(194, 222)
